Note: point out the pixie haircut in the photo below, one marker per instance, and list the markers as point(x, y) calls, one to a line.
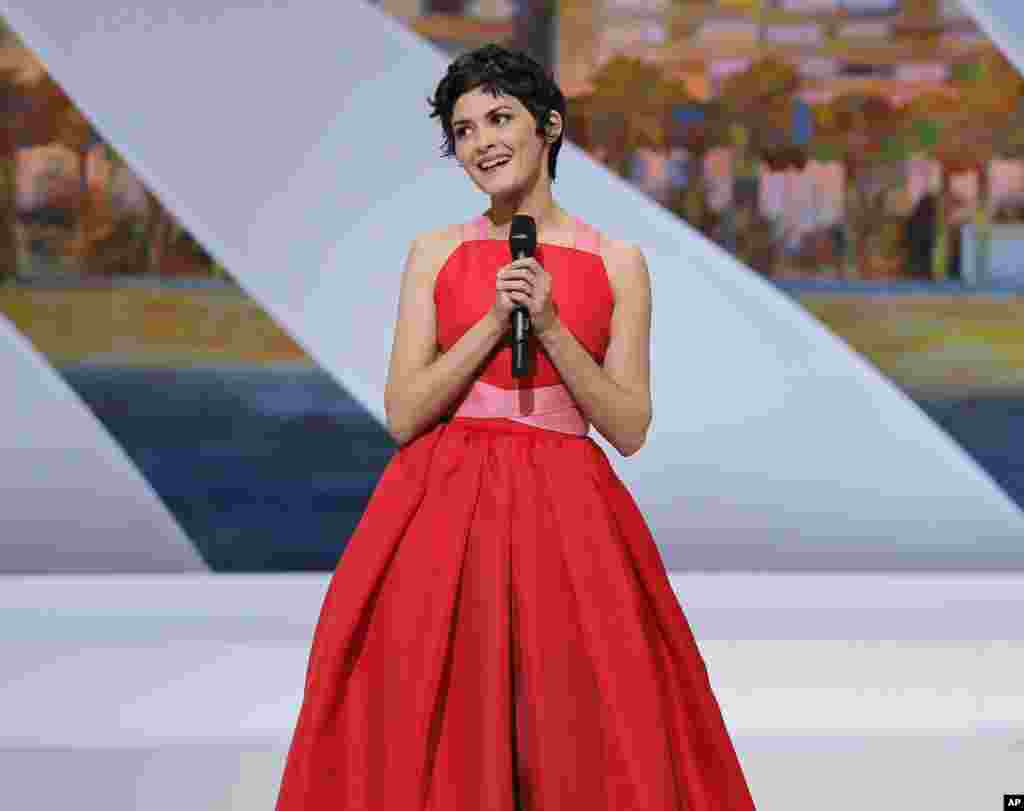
point(499, 70)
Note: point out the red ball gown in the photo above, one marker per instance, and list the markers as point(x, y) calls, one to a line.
point(500, 633)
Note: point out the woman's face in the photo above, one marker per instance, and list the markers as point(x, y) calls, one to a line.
point(488, 128)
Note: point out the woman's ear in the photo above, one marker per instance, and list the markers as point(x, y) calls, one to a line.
point(554, 127)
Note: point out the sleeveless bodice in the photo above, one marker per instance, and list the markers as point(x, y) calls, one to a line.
point(465, 289)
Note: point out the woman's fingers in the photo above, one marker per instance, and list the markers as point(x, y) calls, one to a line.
point(518, 284)
point(519, 273)
point(524, 264)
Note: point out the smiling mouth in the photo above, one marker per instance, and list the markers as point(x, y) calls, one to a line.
point(496, 167)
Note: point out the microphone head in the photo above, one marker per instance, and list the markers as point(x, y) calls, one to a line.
point(522, 237)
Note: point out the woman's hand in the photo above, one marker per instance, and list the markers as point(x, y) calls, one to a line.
point(524, 281)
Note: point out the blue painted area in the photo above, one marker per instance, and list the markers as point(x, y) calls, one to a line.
point(271, 469)
point(991, 430)
point(265, 469)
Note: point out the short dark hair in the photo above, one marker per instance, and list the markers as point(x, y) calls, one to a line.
point(500, 70)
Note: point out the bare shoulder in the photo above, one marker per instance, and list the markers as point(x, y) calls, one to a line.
point(432, 248)
point(624, 262)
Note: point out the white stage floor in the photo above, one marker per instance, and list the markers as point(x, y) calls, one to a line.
point(841, 691)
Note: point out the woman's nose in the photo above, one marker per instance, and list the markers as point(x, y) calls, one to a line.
point(484, 139)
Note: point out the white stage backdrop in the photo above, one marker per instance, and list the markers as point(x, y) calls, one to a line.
point(292, 138)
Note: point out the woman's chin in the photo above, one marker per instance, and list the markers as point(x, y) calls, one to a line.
point(499, 189)
point(494, 185)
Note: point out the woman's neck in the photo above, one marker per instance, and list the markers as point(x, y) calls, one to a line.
point(548, 215)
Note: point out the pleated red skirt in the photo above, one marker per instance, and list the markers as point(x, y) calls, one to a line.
point(500, 635)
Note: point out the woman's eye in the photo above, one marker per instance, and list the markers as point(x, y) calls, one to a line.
point(462, 131)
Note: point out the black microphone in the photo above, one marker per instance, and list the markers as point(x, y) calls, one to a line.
point(522, 241)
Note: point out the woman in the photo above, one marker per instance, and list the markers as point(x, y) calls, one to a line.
point(500, 632)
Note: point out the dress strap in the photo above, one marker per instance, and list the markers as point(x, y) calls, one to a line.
point(476, 229)
point(586, 237)
point(550, 407)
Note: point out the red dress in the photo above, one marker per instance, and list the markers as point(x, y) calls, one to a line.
point(500, 633)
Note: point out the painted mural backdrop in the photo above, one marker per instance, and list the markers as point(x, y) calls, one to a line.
point(866, 156)
point(863, 155)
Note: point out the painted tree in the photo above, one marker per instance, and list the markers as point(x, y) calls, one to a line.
point(940, 126)
point(697, 128)
point(992, 90)
point(863, 132)
point(629, 107)
point(10, 99)
point(56, 119)
point(758, 103)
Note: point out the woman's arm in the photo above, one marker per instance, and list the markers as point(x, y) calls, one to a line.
point(615, 397)
point(422, 385)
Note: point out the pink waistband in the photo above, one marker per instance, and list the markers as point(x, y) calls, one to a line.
point(550, 407)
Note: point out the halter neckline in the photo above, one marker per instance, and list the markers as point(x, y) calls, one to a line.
point(585, 237)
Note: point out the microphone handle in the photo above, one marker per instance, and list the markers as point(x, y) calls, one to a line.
point(520, 327)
